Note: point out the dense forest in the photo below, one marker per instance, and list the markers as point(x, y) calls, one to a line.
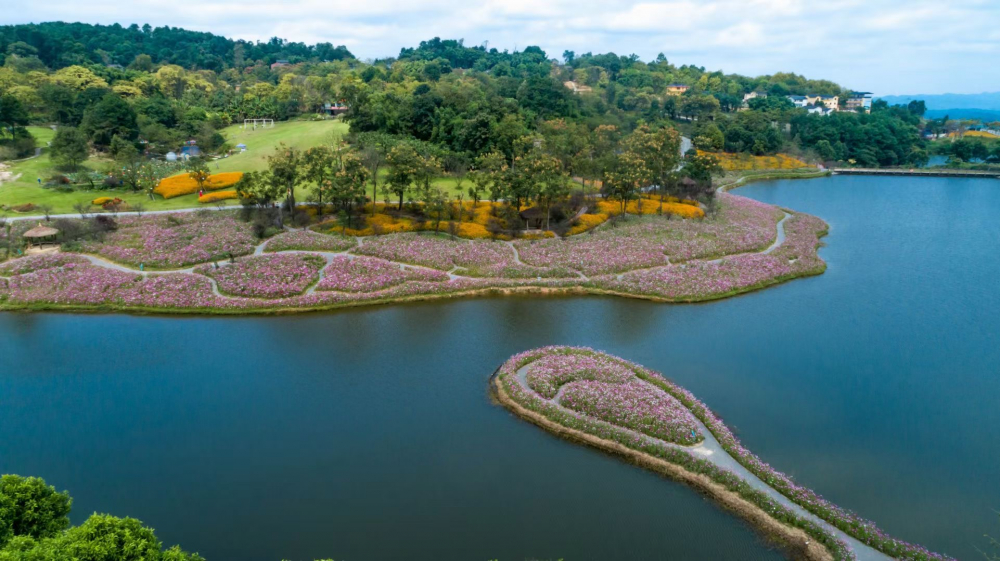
point(149, 90)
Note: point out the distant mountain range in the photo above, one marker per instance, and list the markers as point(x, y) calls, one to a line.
point(984, 106)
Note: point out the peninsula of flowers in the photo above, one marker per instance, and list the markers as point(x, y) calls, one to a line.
point(621, 403)
point(656, 257)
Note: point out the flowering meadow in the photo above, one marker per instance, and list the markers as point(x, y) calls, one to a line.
point(477, 258)
point(741, 225)
point(169, 241)
point(653, 257)
point(34, 263)
point(304, 240)
point(266, 276)
point(606, 389)
point(627, 416)
point(366, 274)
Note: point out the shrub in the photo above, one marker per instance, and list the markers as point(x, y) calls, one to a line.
point(101, 201)
point(217, 196)
point(742, 161)
point(183, 184)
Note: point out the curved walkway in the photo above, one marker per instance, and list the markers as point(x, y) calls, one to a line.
point(711, 450)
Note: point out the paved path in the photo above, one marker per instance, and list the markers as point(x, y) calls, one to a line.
point(711, 450)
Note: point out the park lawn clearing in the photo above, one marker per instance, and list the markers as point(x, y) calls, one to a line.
point(262, 142)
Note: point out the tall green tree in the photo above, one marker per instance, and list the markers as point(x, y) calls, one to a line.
point(286, 171)
point(405, 165)
point(110, 117)
point(257, 188)
point(69, 148)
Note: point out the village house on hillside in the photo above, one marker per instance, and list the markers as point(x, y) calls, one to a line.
point(860, 101)
point(749, 96)
point(677, 89)
point(831, 102)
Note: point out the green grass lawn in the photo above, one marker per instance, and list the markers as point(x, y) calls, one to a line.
point(262, 142)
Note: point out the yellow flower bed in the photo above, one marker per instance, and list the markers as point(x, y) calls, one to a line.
point(183, 184)
point(980, 134)
point(587, 222)
point(100, 201)
point(217, 196)
point(742, 162)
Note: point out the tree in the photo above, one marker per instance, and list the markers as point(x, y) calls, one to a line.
point(12, 114)
point(69, 148)
point(320, 167)
point(490, 171)
point(257, 188)
point(627, 176)
point(286, 170)
point(29, 507)
point(197, 169)
point(110, 117)
point(699, 169)
point(659, 151)
point(550, 183)
point(375, 148)
point(348, 181)
point(699, 106)
point(405, 164)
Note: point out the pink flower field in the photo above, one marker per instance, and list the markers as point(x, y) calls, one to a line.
point(175, 240)
point(603, 388)
point(267, 276)
point(368, 274)
point(304, 240)
point(653, 257)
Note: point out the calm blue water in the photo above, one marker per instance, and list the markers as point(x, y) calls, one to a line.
point(369, 434)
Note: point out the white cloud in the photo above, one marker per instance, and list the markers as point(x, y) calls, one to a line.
point(887, 46)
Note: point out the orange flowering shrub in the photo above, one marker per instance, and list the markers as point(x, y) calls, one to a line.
point(223, 180)
point(183, 184)
point(217, 196)
point(980, 134)
point(538, 235)
point(587, 222)
point(741, 162)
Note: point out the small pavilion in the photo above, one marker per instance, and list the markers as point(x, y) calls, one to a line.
point(41, 235)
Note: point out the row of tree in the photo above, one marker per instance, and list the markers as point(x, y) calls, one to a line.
point(538, 170)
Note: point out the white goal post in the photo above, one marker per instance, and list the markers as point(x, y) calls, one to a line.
point(253, 123)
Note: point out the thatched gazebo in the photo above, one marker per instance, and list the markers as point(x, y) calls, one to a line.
point(40, 235)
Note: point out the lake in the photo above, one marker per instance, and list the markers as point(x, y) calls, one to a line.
point(370, 434)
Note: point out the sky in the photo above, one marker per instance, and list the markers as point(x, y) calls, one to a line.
point(883, 46)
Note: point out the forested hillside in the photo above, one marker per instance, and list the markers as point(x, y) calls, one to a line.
point(110, 87)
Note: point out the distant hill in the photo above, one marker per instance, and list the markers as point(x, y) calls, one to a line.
point(983, 101)
point(59, 44)
point(984, 115)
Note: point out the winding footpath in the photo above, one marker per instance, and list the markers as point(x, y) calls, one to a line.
point(710, 450)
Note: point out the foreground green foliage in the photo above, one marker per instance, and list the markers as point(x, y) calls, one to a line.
point(34, 526)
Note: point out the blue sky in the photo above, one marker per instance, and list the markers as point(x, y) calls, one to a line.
point(884, 46)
